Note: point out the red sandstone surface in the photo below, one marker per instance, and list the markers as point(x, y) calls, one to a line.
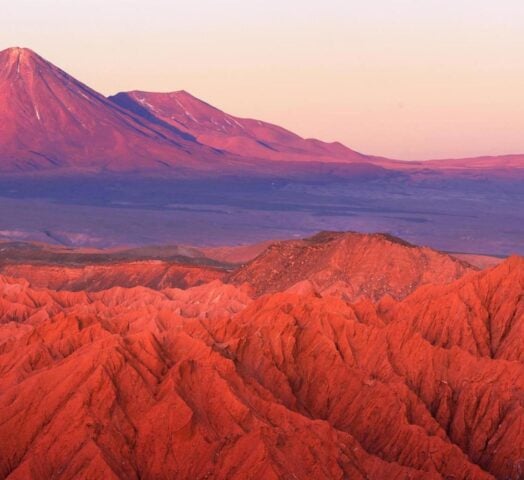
point(152, 274)
point(211, 382)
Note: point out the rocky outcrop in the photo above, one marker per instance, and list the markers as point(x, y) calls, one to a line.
point(483, 314)
point(351, 265)
point(208, 383)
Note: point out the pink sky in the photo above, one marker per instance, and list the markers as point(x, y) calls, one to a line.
point(407, 79)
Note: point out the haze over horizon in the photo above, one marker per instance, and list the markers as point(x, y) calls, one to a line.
point(408, 81)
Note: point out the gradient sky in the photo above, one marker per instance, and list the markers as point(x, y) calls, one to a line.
point(408, 79)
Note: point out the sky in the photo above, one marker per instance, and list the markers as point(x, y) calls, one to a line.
point(409, 79)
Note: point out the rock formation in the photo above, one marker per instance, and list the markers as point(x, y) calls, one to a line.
point(219, 381)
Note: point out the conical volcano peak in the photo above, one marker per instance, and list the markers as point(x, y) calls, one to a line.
point(15, 51)
point(19, 50)
point(50, 120)
point(17, 60)
point(18, 54)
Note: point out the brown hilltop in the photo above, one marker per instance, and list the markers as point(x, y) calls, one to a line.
point(352, 264)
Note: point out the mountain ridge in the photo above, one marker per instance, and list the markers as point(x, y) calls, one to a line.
point(52, 122)
point(125, 382)
point(239, 136)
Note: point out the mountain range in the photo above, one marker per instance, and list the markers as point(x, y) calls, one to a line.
point(53, 123)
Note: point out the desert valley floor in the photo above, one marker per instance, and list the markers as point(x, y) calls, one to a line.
point(453, 214)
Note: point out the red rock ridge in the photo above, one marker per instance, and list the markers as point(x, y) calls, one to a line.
point(157, 275)
point(208, 383)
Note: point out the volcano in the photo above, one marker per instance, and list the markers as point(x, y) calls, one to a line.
point(240, 136)
point(51, 121)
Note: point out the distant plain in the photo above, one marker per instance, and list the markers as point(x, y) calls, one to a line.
point(460, 215)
